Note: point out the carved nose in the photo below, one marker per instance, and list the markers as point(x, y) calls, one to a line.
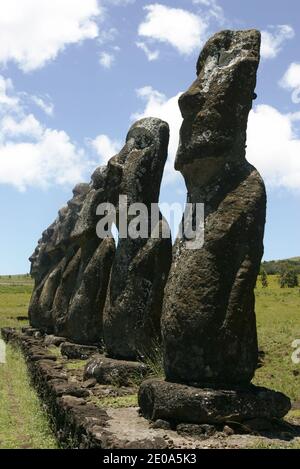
point(190, 103)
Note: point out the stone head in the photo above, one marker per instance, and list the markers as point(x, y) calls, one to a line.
point(216, 106)
point(137, 169)
point(68, 215)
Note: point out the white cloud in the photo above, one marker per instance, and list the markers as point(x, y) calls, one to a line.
point(51, 159)
point(158, 105)
point(28, 127)
point(105, 147)
point(151, 55)
point(214, 10)
point(181, 29)
point(272, 41)
point(106, 59)
point(6, 86)
point(120, 2)
point(32, 32)
point(47, 107)
point(107, 35)
point(32, 154)
point(274, 146)
point(291, 81)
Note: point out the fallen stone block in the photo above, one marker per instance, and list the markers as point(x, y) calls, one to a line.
point(50, 340)
point(117, 372)
point(159, 399)
point(77, 351)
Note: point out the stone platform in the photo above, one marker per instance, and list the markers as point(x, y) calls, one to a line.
point(88, 415)
point(178, 403)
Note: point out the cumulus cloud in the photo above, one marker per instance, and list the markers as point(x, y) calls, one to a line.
point(105, 147)
point(180, 28)
point(6, 100)
point(274, 39)
point(151, 55)
point(274, 146)
point(213, 9)
point(46, 106)
point(50, 159)
point(158, 105)
point(119, 2)
point(32, 154)
point(32, 32)
point(27, 126)
point(107, 35)
point(291, 81)
point(106, 59)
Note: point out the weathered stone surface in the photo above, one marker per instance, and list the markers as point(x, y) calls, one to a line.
point(71, 267)
point(228, 431)
point(140, 268)
point(80, 298)
point(68, 389)
point(208, 320)
point(50, 340)
point(161, 424)
point(78, 351)
point(117, 372)
point(180, 403)
point(89, 383)
point(49, 260)
point(259, 424)
point(30, 331)
point(194, 430)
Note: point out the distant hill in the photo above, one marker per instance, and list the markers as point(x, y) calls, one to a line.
point(275, 267)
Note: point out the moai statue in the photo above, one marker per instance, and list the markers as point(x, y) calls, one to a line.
point(80, 298)
point(208, 319)
point(141, 265)
point(71, 266)
point(49, 259)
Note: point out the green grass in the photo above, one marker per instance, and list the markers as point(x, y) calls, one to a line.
point(278, 322)
point(23, 423)
point(154, 361)
point(262, 444)
point(116, 402)
point(53, 350)
point(15, 294)
point(75, 364)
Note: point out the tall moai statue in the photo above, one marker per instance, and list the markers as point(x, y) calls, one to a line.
point(141, 265)
point(209, 327)
point(208, 320)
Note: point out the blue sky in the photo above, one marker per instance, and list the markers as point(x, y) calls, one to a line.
point(75, 73)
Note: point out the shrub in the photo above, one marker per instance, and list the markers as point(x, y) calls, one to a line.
point(289, 279)
point(264, 278)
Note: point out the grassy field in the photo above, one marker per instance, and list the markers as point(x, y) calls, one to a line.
point(23, 424)
point(278, 323)
point(15, 294)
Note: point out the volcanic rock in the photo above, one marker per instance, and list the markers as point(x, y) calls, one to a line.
point(141, 265)
point(208, 320)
